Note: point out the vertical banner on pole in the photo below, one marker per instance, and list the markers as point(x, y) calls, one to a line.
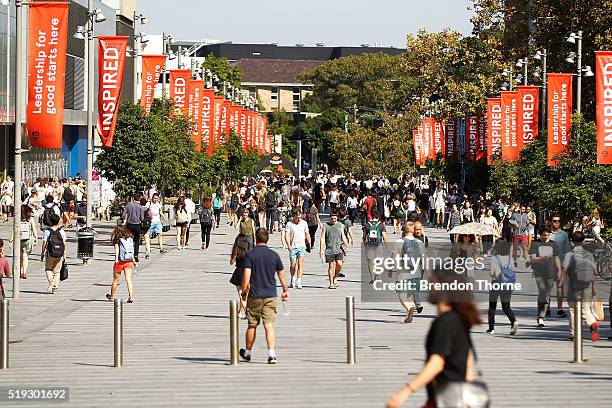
point(481, 146)
point(195, 102)
point(603, 80)
point(249, 129)
point(179, 91)
point(494, 129)
point(152, 67)
point(471, 134)
point(111, 62)
point(206, 119)
point(234, 118)
point(416, 141)
point(243, 128)
point(529, 100)
point(439, 145)
point(224, 122)
point(559, 100)
point(48, 32)
point(427, 139)
point(510, 146)
point(451, 139)
point(262, 132)
point(217, 112)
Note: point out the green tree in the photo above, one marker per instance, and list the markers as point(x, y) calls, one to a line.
point(221, 67)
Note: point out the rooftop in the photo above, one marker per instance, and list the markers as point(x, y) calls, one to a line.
point(275, 71)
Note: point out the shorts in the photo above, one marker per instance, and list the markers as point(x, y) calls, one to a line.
point(531, 230)
point(299, 252)
point(156, 228)
point(259, 309)
point(519, 239)
point(27, 245)
point(63, 207)
point(119, 266)
point(439, 209)
point(334, 258)
point(53, 264)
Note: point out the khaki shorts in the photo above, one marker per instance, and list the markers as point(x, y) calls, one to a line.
point(53, 264)
point(260, 308)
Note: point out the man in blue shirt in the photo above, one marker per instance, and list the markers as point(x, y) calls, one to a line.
point(560, 237)
point(261, 265)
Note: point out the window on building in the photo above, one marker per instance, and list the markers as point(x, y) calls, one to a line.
point(296, 99)
point(274, 94)
point(253, 92)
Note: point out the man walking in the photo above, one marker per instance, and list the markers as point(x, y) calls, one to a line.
point(156, 230)
point(561, 238)
point(261, 266)
point(546, 268)
point(133, 214)
point(295, 238)
point(373, 236)
point(330, 248)
point(520, 225)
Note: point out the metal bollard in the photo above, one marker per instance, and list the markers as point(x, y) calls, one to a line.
point(578, 332)
point(4, 322)
point(233, 332)
point(118, 361)
point(350, 330)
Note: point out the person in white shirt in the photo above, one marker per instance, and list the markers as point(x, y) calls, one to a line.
point(156, 212)
point(191, 209)
point(296, 238)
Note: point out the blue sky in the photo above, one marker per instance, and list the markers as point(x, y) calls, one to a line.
point(333, 22)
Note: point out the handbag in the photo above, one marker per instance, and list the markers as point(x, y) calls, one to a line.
point(463, 394)
point(64, 272)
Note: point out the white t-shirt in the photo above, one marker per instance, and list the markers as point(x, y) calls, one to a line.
point(297, 233)
point(190, 207)
point(333, 196)
point(47, 232)
point(351, 202)
point(155, 210)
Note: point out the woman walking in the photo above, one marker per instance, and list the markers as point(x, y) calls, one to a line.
point(489, 240)
point(217, 205)
point(313, 220)
point(454, 220)
point(182, 219)
point(124, 260)
point(207, 222)
point(501, 272)
point(27, 239)
point(247, 228)
point(239, 250)
point(6, 201)
point(450, 352)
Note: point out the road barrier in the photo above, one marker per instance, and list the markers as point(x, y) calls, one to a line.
point(350, 330)
point(233, 332)
point(118, 333)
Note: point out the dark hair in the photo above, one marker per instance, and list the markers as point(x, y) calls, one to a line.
point(578, 237)
point(460, 301)
point(375, 213)
point(121, 231)
point(26, 213)
point(555, 214)
point(207, 202)
point(143, 201)
point(180, 204)
point(49, 198)
point(342, 212)
point(296, 211)
point(544, 229)
point(55, 219)
point(333, 214)
point(136, 196)
point(240, 248)
point(262, 235)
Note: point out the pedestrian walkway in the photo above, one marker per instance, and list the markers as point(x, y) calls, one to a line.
point(176, 348)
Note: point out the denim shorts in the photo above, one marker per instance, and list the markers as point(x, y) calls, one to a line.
point(299, 252)
point(156, 228)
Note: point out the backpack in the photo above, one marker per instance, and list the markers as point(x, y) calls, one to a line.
point(311, 218)
point(26, 230)
point(182, 216)
point(270, 200)
point(206, 216)
point(55, 243)
point(126, 249)
point(507, 274)
point(217, 203)
point(68, 195)
point(46, 217)
point(582, 268)
point(234, 201)
point(146, 221)
point(374, 235)
point(413, 251)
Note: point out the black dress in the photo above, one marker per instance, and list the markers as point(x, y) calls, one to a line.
point(236, 278)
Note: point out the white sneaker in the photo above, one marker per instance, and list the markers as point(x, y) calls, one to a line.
point(541, 322)
point(292, 284)
point(514, 328)
point(299, 285)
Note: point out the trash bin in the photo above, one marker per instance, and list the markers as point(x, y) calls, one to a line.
point(85, 243)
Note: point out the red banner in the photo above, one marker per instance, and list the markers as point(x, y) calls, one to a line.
point(471, 137)
point(603, 80)
point(427, 139)
point(527, 125)
point(195, 111)
point(225, 128)
point(48, 31)
point(206, 119)
point(179, 91)
point(217, 112)
point(152, 67)
point(249, 130)
point(243, 128)
point(510, 142)
point(559, 101)
point(262, 131)
point(264, 121)
point(494, 129)
point(111, 62)
point(439, 145)
point(235, 118)
point(451, 139)
point(481, 146)
point(418, 149)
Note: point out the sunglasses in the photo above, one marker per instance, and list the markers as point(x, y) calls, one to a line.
point(556, 220)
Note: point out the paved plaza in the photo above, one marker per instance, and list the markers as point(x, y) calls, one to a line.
point(176, 348)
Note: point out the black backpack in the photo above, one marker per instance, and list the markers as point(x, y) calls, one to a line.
point(146, 221)
point(68, 194)
point(270, 200)
point(206, 216)
point(55, 244)
point(46, 218)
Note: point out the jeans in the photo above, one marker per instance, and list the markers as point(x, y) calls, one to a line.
point(135, 228)
point(312, 230)
point(505, 296)
point(249, 239)
point(270, 218)
point(352, 213)
point(217, 212)
point(206, 228)
point(545, 286)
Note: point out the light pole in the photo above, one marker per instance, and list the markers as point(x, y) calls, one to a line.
point(508, 72)
point(87, 33)
point(19, 101)
point(541, 56)
point(576, 38)
point(139, 19)
point(522, 63)
point(166, 41)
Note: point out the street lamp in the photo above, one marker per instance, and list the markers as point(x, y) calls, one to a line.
point(138, 38)
point(576, 38)
point(87, 33)
point(523, 63)
point(542, 56)
point(167, 39)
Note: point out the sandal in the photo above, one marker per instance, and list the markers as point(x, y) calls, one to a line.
point(109, 297)
point(130, 301)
